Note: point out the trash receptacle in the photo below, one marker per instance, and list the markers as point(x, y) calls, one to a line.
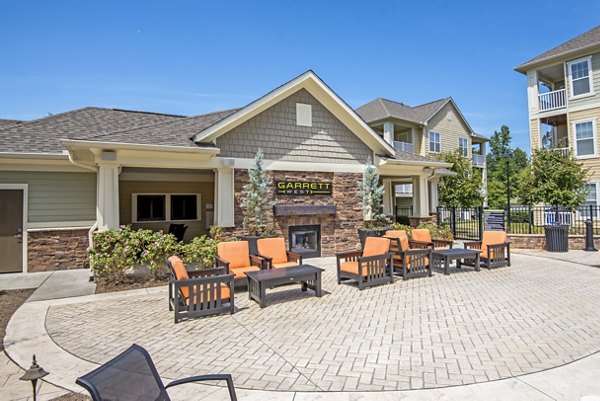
point(557, 238)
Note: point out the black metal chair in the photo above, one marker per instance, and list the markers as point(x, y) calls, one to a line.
point(178, 230)
point(132, 376)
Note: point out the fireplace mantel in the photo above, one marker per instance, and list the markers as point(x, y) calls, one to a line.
point(303, 210)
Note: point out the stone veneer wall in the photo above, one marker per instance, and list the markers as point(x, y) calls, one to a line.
point(57, 250)
point(339, 232)
point(538, 241)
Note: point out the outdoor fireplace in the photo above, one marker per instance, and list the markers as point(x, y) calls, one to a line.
point(305, 240)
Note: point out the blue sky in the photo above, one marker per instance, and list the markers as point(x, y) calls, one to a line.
point(192, 57)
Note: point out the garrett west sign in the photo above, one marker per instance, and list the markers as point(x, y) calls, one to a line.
point(303, 188)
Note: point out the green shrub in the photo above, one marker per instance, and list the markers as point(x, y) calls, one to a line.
point(200, 252)
point(520, 216)
point(114, 251)
point(400, 226)
point(404, 220)
point(442, 231)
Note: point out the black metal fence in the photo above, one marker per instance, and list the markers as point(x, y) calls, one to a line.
point(402, 213)
point(469, 223)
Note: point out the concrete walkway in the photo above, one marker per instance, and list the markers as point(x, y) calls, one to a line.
point(27, 333)
point(576, 256)
point(49, 285)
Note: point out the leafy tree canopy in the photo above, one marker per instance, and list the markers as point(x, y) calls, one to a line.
point(463, 189)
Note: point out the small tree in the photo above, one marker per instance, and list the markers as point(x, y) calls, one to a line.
point(371, 194)
point(554, 178)
point(255, 203)
point(463, 189)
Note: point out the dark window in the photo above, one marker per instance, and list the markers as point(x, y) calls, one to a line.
point(151, 207)
point(184, 207)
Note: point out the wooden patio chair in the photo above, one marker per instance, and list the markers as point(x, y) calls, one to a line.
point(494, 247)
point(132, 376)
point(406, 261)
point(423, 235)
point(273, 251)
point(371, 266)
point(198, 292)
point(235, 257)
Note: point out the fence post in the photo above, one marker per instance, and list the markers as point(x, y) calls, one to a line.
point(480, 223)
point(438, 218)
point(453, 220)
point(529, 218)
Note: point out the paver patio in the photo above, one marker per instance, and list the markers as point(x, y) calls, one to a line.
point(469, 327)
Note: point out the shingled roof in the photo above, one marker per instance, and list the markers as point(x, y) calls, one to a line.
point(43, 135)
point(171, 133)
point(8, 123)
point(587, 39)
point(380, 109)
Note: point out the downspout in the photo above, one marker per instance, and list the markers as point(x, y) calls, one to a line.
point(95, 225)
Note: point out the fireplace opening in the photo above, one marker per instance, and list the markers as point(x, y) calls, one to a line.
point(305, 240)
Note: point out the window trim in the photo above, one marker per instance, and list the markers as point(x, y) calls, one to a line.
point(594, 137)
point(587, 59)
point(582, 216)
point(466, 148)
point(168, 195)
point(440, 142)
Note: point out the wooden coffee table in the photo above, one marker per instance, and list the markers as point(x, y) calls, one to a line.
point(446, 256)
point(306, 275)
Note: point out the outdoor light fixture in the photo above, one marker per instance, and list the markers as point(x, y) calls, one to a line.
point(33, 374)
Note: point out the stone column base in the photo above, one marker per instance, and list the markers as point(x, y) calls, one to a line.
point(417, 221)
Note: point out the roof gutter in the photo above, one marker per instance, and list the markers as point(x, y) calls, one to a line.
point(416, 163)
point(71, 144)
point(523, 68)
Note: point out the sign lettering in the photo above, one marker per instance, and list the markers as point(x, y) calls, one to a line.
point(303, 188)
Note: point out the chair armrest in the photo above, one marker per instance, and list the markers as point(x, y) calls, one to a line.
point(267, 261)
point(226, 377)
point(207, 272)
point(258, 261)
point(473, 245)
point(420, 244)
point(221, 262)
point(221, 278)
point(414, 252)
point(348, 254)
point(295, 257)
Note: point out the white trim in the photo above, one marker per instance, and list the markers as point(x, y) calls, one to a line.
point(450, 100)
point(167, 196)
point(594, 137)
point(587, 59)
point(38, 230)
point(60, 225)
point(72, 144)
point(25, 189)
point(465, 138)
point(583, 107)
point(314, 85)
point(175, 177)
point(31, 155)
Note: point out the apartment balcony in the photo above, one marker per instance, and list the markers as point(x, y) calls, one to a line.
point(552, 100)
point(562, 151)
point(404, 146)
point(479, 161)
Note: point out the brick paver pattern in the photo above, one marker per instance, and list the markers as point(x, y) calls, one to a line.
point(468, 327)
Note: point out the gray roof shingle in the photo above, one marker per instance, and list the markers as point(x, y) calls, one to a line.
point(171, 133)
point(586, 39)
point(401, 155)
point(43, 135)
point(380, 109)
point(4, 123)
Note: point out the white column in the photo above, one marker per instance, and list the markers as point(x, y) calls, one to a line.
point(420, 196)
point(532, 91)
point(224, 197)
point(413, 139)
point(434, 194)
point(388, 200)
point(388, 132)
point(107, 210)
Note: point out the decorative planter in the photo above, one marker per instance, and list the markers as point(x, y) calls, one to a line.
point(363, 233)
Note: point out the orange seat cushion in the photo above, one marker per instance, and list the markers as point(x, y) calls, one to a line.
point(285, 264)
point(239, 271)
point(235, 252)
point(376, 246)
point(421, 234)
point(350, 267)
point(180, 273)
point(401, 235)
point(272, 248)
point(225, 294)
point(492, 238)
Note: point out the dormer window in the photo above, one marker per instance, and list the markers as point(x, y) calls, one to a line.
point(579, 75)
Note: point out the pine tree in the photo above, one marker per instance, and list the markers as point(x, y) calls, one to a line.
point(372, 194)
point(255, 204)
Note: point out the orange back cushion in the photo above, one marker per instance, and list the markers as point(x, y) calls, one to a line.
point(236, 253)
point(401, 235)
point(376, 246)
point(272, 248)
point(421, 234)
point(493, 238)
point(180, 273)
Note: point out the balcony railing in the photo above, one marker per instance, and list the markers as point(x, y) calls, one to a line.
point(552, 100)
point(478, 160)
point(562, 151)
point(404, 146)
